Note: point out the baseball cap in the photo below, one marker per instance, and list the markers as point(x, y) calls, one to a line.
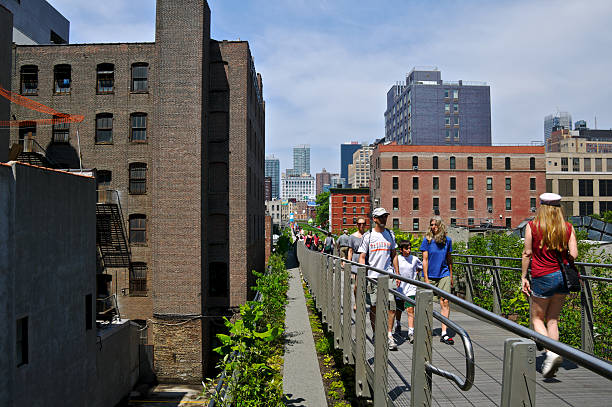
point(551, 199)
point(379, 212)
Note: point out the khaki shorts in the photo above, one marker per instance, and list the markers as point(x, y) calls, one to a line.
point(443, 283)
point(344, 252)
point(371, 294)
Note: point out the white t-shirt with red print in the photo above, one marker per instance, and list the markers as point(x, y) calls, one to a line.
point(378, 247)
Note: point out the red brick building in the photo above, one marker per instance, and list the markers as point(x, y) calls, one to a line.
point(346, 206)
point(465, 185)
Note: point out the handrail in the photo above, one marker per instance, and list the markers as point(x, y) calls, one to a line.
point(591, 362)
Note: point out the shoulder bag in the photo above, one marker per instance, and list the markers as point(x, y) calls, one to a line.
point(570, 273)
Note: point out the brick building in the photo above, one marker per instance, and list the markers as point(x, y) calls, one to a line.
point(465, 185)
point(160, 121)
point(346, 205)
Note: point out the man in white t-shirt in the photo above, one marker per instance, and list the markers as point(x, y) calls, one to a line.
point(378, 247)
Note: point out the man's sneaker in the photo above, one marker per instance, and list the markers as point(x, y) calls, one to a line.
point(551, 364)
point(391, 343)
point(410, 337)
point(447, 339)
point(398, 329)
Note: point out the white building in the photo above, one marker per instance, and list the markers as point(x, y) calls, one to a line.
point(359, 170)
point(274, 208)
point(301, 188)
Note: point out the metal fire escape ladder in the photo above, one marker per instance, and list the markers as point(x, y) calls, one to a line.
point(111, 237)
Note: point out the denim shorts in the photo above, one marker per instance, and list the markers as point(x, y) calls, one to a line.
point(548, 285)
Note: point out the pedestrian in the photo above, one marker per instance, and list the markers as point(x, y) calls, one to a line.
point(409, 267)
point(308, 240)
point(438, 267)
point(344, 244)
point(378, 248)
point(328, 246)
point(353, 252)
point(547, 236)
point(315, 240)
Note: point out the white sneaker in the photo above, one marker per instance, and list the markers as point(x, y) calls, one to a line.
point(398, 329)
point(410, 337)
point(551, 364)
point(391, 343)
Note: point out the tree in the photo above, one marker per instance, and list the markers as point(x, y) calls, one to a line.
point(322, 208)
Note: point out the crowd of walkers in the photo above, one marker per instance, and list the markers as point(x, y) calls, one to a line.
point(549, 242)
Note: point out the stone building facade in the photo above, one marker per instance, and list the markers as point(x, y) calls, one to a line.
point(160, 121)
point(465, 185)
point(359, 170)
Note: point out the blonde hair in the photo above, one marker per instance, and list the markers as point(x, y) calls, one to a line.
point(440, 236)
point(552, 227)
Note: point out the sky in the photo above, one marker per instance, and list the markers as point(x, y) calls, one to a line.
point(327, 64)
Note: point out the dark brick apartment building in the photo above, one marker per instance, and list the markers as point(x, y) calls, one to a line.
point(465, 185)
point(161, 119)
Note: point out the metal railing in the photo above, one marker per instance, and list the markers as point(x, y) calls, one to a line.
point(324, 273)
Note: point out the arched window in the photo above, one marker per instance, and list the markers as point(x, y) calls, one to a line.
point(62, 78)
point(29, 80)
point(105, 78)
point(104, 128)
point(140, 77)
point(394, 162)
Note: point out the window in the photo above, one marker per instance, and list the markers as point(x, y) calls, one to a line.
point(489, 163)
point(598, 165)
point(138, 228)
point(138, 178)
point(532, 184)
point(363, 209)
point(415, 161)
point(447, 108)
point(576, 164)
point(470, 221)
point(446, 93)
point(105, 78)
point(395, 182)
point(587, 164)
point(456, 134)
point(508, 204)
point(29, 80)
point(455, 94)
point(549, 185)
point(509, 223)
point(354, 221)
point(104, 128)
point(604, 206)
point(395, 223)
point(362, 199)
point(434, 163)
point(436, 183)
point(447, 122)
point(415, 224)
point(138, 127)
point(27, 130)
point(456, 121)
point(532, 163)
point(453, 204)
point(453, 222)
point(21, 344)
point(415, 204)
point(354, 199)
point(452, 163)
point(395, 204)
point(566, 187)
point(564, 163)
point(532, 204)
point(415, 183)
point(470, 204)
point(344, 221)
point(88, 312)
point(508, 184)
point(585, 187)
point(489, 184)
point(60, 132)
point(470, 183)
point(138, 279)
point(354, 209)
point(62, 78)
point(140, 77)
point(453, 183)
point(344, 209)
point(104, 178)
point(344, 199)
point(506, 163)
point(436, 205)
point(394, 162)
point(470, 163)
point(585, 208)
point(605, 188)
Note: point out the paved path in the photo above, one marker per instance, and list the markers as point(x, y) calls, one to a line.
point(302, 382)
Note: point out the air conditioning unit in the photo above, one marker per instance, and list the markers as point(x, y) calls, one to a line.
point(415, 167)
point(533, 209)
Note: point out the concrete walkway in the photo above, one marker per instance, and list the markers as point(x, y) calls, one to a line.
point(302, 383)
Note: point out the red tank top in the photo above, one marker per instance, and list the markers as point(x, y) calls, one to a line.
point(543, 261)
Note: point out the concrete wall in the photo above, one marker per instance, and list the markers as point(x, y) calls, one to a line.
point(6, 22)
point(34, 20)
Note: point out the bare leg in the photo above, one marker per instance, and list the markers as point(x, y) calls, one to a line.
point(444, 310)
point(410, 312)
point(539, 309)
point(390, 319)
point(552, 316)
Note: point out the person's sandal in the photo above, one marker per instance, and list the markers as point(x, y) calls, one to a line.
point(447, 340)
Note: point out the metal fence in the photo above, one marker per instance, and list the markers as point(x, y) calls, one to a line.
point(328, 279)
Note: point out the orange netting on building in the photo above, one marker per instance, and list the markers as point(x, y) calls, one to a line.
point(39, 107)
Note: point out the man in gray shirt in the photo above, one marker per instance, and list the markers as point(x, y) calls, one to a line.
point(344, 243)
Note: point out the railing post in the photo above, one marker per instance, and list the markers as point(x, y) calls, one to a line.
point(421, 350)
point(381, 348)
point(324, 284)
point(330, 293)
point(496, 288)
point(518, 380)
point(469, 281)
point(587, 334)
point(337, 296)
point(361, 377)
point(347, 311)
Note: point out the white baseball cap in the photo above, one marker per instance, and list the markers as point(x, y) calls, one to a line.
point(379, 212)
point(551, 199)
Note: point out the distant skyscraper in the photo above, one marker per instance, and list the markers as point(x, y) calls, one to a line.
point(273, 171)
point(559, 119)
point(427, 111)
point(359, 170)
point(323, 178)
point(580, 124)
point(337, 181)
point(301, 159)
point(346, 157)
